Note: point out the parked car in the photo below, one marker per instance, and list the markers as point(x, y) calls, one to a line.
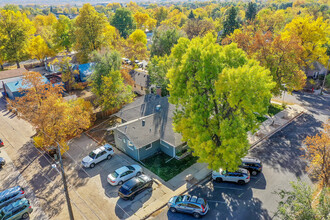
point(11, 195)
point(98, 155)
point(1, 143)
point(2, 162)
point(241, 176)
point(134, 186)
point(253, 165)
point(188, 204)
point(16, 210)
point(124, 173)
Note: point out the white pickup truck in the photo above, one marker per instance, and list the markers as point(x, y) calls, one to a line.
point(98, 155)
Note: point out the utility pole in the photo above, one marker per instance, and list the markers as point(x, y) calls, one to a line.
point(325, 76)
point(64, 184)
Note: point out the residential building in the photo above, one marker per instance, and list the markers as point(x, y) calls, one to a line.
point(13, 75)
point(147, 128)
point(141, 81)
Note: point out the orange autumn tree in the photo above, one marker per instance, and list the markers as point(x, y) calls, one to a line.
point(318, 153)
point(54, 119)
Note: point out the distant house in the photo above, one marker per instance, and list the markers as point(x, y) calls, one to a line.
point(147, 128)
point(85, 70)
point(141, 81)
point(7, 76)
point(315, 70)
point(12, 89)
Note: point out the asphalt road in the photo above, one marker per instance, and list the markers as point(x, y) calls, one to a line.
point(282, 163)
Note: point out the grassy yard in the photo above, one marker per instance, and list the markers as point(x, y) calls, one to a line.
point(157, 164)
point(273, 109)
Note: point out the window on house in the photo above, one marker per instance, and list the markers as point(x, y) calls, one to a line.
point(141, 88)
point(130, 145)
point(149, 146)
point(134, 85)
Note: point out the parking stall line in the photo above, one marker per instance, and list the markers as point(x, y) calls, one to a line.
point(221, 187)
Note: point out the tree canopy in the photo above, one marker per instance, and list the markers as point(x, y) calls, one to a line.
point(123, 21)
point(217, 91)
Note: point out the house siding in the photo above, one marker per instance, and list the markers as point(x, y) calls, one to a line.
point(122, 143)
point(151, 151)
point(167, 149)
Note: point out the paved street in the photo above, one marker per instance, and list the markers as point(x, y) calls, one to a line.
point(281, 161)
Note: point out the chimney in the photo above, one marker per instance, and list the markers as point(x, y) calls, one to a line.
point(158, 107)
point(143, 123)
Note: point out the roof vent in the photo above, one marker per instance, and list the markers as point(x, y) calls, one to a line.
point(158, 107)
point(143, 123)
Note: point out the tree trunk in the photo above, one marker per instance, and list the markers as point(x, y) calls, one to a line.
point(17, 63)
point(1, 66)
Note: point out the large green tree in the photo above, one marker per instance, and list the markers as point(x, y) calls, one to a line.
point(16, 29)
point(89, 31)
point(231, 23)
point(251, 11)
point(164, 39)
point(217, 91)
point(63, 36)
point(123, 21)
point(157, 69)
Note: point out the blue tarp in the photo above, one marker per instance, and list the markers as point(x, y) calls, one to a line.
point(85, 70)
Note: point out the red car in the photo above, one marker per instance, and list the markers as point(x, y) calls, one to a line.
point(1, 143)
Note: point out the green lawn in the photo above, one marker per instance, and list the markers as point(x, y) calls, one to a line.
point(273, 109)
point(157, 164)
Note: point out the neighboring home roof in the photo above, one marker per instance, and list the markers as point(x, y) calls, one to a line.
point(140, 78)
point(16, 85)
point(85, 70)
point(157, 123)
point(6, 74)
point(315, 67)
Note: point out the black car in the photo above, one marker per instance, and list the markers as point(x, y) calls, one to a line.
point(134, 186)
point(253, 165)
point(2, 162)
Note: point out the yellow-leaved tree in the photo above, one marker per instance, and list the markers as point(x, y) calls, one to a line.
point(38, 49)
point(313, 34)
point(55, 120)
point(318, 153)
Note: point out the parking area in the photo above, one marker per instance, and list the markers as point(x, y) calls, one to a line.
point(92, 186)
point(282, 163)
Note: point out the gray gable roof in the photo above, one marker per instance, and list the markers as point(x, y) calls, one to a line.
point(140, 78)
point(157, 124)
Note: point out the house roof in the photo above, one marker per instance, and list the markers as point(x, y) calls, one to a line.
point(16, 85)
point(157, 123)
point(140, 78)
point(12, 73)
point(86, 68)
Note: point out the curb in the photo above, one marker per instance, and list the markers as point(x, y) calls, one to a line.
point(189, 189)
point(275, 131)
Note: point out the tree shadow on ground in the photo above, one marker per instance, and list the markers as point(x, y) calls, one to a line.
point(284, 150)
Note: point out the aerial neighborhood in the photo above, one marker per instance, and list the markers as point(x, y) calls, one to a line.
point(164, 110)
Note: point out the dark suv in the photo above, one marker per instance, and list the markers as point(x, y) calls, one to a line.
point(253, 165)
point(188, 204)
point(134, 186)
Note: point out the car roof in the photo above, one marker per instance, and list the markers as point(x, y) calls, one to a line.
point(130, 183)
point(10, 191)
point(250, 159)
point(15, 204)
point(193, 199)
point(98, 150)
point(241, 170)
point(122, 169)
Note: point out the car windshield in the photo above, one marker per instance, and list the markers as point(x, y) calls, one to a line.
point(130, 168)
point(224, 172)
point(179, 199)
point(124, 190)
point(114, 174)
point(92, 155)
